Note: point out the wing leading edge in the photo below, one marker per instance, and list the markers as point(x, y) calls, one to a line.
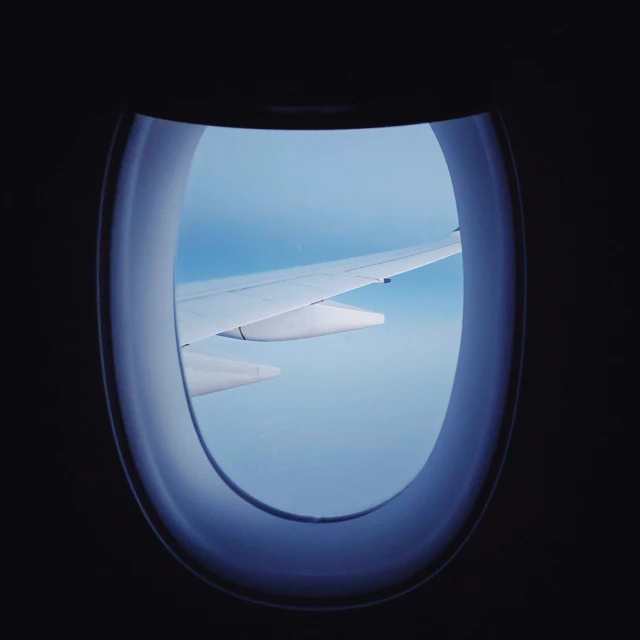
point(288, 304)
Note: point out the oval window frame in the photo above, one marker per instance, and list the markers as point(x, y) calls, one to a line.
point(270, 558)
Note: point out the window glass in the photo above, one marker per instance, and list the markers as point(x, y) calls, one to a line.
point(353, 416)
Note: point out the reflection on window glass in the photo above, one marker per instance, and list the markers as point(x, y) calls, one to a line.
point(339, 422)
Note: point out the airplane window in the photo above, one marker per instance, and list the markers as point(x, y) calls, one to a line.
point(347, 410)
point(321, 456)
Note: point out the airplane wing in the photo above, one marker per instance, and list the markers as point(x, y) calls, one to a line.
point(287, 304)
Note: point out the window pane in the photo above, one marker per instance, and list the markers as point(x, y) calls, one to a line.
point(353, 416)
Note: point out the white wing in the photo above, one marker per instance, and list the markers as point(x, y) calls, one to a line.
point(212, 307)
point(287, 304)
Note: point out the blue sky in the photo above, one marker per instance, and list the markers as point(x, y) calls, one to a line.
point(353, 416)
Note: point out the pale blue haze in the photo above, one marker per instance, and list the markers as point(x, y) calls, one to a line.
point(353, 416)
